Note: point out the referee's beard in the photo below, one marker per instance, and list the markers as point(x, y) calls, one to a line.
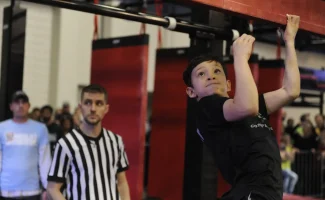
point(91, 123)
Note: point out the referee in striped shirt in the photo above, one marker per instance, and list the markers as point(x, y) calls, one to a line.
point(90, 159)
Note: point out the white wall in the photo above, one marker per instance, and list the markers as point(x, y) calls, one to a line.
point(37, 52)
point(74, 55)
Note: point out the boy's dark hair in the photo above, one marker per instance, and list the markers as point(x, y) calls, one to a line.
point(47, 107)
point(94, 88)
point(195, 62)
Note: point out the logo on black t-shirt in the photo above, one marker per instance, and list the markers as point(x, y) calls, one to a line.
point(249, 196)
point(263, 124)
point(198, 132)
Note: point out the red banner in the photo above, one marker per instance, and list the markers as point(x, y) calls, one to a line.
point(120, 65)
point(167, 140)
point(311, 11)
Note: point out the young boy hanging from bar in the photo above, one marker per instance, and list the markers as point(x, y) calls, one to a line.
point(237, 130)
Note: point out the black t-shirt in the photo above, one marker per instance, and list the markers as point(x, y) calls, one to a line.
point(56, 133)
point(246, 151)
point(289, 130)
point(305, 143)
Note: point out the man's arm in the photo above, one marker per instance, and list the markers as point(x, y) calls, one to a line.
point(0, 159)
point(53, 190)
point(123, 186)
point(291, 83)
point(245, 102)
point(0, 154)
point(58, 172)
point(123, 165)
point(44, 157)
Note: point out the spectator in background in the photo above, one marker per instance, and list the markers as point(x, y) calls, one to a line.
point(25, 153)
point(290, 127)
point(35, 114)
point(321, 143)
point(66, 124)
point(64, 112)
point(57, 116)
point(77, 117)
point(308, 140)
point(303, 118)
point(319, 121)
point(55, 131)
point(287, 153)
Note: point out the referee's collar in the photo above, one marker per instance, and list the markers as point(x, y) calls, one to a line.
point(90, 138)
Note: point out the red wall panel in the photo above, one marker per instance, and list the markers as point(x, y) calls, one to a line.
point(120, 65)
point(167, 140)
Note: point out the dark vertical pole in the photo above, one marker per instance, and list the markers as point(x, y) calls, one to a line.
point(13, 41)
point(10, 22)
point(321, 98)
point(5, 61)
point(200, 173)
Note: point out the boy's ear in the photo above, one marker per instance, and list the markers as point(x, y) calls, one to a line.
point(190, 92)
point(228, 85)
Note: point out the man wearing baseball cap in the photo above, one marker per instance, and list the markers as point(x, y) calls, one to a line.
point(25, 155)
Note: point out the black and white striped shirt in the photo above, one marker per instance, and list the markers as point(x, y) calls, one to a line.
point(89, 166)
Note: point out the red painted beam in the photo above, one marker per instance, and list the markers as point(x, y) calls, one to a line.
point(312, 12)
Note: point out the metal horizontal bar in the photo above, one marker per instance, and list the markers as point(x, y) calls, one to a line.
point(181, 26)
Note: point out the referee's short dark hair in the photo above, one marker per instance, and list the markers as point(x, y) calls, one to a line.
point(187, 74)
point(94, 88)
point(47, 107)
